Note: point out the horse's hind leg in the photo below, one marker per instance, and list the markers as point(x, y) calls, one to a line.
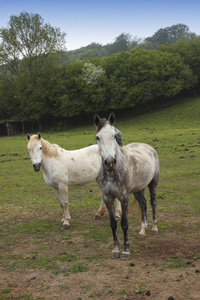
point(142, 202)
point(118, 210)
point(153, 191)
point(102, 210)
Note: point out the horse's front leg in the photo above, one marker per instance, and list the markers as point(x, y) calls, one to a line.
point(124, 225)
point(109, 201)
point(142, 202)
point(62, 195)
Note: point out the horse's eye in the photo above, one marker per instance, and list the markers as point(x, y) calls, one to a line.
point(41, 148)
point(97, 138)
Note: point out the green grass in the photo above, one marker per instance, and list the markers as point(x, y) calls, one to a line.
point(31, 237)
point(174, 262)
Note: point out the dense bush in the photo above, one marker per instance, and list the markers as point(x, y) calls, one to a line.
point(121, 80)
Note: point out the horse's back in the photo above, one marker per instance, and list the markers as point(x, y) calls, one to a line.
point(141, 149)
point(90, 150)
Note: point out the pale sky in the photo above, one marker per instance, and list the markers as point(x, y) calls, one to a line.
point(88, 21)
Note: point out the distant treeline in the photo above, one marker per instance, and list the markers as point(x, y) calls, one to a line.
point(45, 87)
point(125, 42)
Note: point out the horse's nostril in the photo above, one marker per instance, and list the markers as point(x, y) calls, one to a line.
point(110, 162)
point(37, 166)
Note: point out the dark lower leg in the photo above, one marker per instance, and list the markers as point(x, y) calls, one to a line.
point(124, 225)
point(113, 224)
point(153, 191)
point(142, 202)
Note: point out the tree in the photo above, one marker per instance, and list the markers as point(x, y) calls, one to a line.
point(28, 48)
point(122, 43)
point(166, 36)
point(190, 53)
point(142, 76)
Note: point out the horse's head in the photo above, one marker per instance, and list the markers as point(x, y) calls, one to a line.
point(35, 150)
point(108, 139)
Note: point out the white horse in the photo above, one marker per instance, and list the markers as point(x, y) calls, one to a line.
point(124, 170)
point(62, 168)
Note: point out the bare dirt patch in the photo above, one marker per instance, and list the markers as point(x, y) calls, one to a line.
point(162, 266)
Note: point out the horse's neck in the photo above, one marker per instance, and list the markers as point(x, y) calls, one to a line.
point(121, 156)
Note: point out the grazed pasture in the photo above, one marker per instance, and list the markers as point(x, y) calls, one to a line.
point(39, 260)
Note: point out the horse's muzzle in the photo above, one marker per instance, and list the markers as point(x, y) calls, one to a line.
point(110, 163)
point(36, 167)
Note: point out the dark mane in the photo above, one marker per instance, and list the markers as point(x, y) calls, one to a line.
point(119, 137)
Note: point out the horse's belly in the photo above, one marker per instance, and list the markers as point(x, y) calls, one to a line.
point(141, 181)
point(82, 176)
point(81, 170)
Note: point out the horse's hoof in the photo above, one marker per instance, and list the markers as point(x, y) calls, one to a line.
point(117, 218)
point(142, 235)
point(154, 232)
point(97, 217)
point(142, 232)
point(115, 255)
point(125, 255)
point(65, 226)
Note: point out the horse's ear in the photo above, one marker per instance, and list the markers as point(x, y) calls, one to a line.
point(39, 136)
point(28, 136)
point(96, 119)
point(111, 119)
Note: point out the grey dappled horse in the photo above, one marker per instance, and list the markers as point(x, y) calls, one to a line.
point(124, 170)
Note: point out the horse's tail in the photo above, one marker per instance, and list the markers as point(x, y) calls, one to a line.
point(135, 207)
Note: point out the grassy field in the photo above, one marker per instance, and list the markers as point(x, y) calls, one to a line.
point(39, 260)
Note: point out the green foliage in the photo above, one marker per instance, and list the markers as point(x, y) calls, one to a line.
point(37, 85)
point(190, 53)
point(90, 51)
point(143, 76)
point(166, 36)
point(29, 65)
